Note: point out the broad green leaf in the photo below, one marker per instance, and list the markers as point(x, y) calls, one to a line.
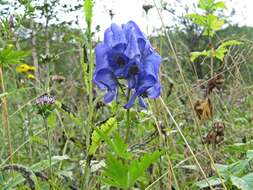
point(124, 175)
point(106, 129)
point(220, 52)
point(248, 179)
point(206, 4)
point(138, 167)
point(116, 171)
point(250, 154)
point(198, 19)
point(240, 183)
point(219, 4)
point(118, 146)
point(230, 43)
point(213, 23)
point(212, 181)
point(210, 5)
point(223, 170)
point(10, 56)
point(195, 55)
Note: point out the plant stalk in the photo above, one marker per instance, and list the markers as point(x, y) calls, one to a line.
point(5, 115)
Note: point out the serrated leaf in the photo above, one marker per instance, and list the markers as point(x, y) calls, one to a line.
point(10, 56)
point(138, 167)
point(119, 147)
point(106, 129)
point(124, 175)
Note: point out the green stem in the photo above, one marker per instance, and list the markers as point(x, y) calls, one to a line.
point(128, 118)
point(127, 126)
point(5, 115)
point(48, 146)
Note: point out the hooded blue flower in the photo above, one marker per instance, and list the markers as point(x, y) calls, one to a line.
point(147, 83)
point(126, 53)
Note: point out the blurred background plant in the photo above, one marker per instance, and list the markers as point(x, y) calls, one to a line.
point(202, 124)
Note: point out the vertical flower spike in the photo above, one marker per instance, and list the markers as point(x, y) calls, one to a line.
point(127, 54)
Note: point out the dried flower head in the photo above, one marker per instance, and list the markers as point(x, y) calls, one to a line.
point(58, 78)
point(216, 82)
point(147, 8)
point(216, 135)
point(204, 109)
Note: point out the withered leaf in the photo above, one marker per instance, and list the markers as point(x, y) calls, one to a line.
point(204, 109)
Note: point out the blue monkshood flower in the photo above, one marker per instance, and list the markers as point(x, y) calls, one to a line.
point(126, 53)
point(147, 84)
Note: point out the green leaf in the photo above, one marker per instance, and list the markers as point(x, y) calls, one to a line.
point(88, 12)
point(213, 23)
point(210, 5)
point(122, 174)
point(51, 120)
point(198, 19)
point(250, 154)
point(10, 56)
point(106, 129)
point(138, 167)
point(115, 172)
point(248, 179)
point(212, 181)
point(230, 43)
point(119, 147)
point(219, 4)
point(240, 183)
point(220, 52)
point(195, 55)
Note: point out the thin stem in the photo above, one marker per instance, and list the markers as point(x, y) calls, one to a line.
point(187, 92)
point(48, 146)
point(5, 115)
point(186, 142)
point(128, 118)
point(211, 57)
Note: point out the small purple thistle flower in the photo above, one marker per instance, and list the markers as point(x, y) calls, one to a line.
point(45, 99)
point(45, 104)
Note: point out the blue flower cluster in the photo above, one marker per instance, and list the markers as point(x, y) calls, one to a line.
point(127, 54)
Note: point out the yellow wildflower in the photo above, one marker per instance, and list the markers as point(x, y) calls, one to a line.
point(24, 68)
point(31, 76)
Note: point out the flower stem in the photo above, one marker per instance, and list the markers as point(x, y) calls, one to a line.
point(48, 146)
point(5, 115)
point(128, 118)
